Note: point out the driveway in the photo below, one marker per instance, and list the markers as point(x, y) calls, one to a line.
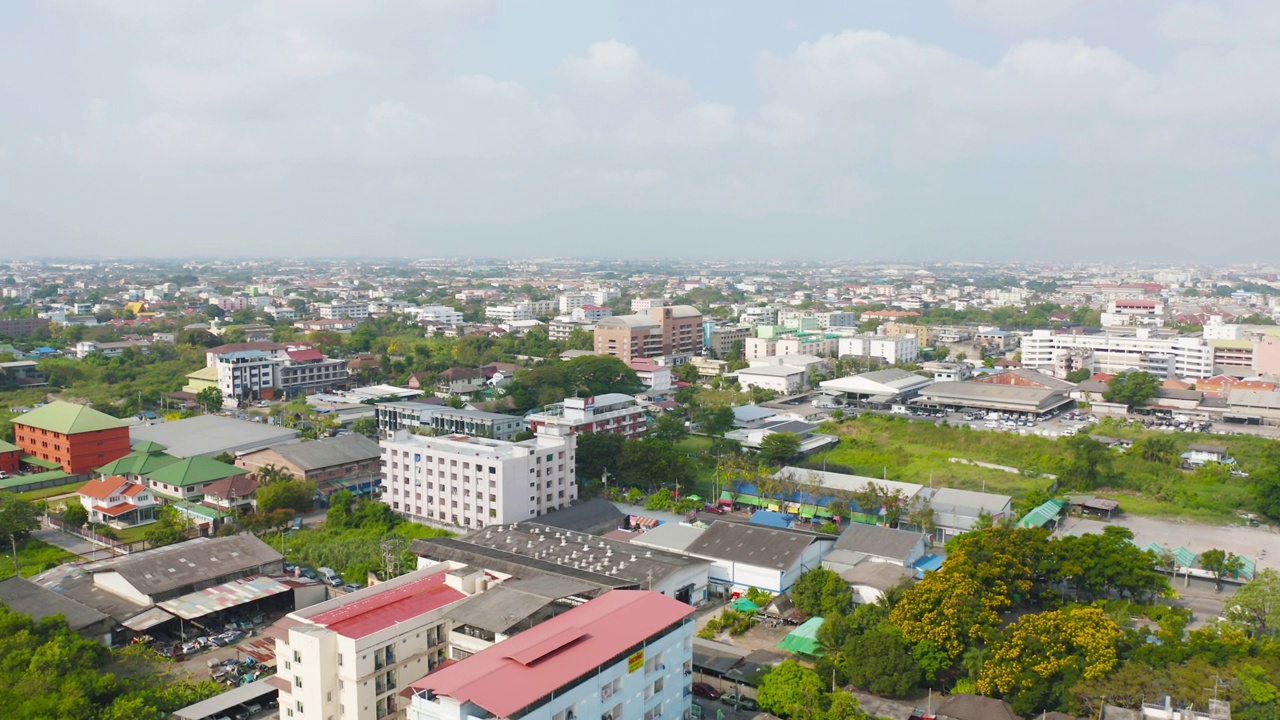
point(71, 543)
point(1260, 544)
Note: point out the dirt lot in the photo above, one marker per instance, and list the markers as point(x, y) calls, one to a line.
point(1261, 544)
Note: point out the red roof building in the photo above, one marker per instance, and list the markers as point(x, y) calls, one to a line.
point(627, 646)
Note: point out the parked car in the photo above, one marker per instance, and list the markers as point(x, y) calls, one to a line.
point(714, 509)
point(702, 689)
point(309, 574)
point(351, 587)
point(740, 701)
point(253, 708)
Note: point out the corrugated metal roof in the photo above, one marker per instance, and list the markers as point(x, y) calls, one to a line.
point(222, 597)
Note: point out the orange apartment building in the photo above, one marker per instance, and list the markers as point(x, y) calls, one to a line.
point(667, 330)
point(76, 437)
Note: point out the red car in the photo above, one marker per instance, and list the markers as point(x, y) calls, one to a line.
point(714, 509)
point(702, 689)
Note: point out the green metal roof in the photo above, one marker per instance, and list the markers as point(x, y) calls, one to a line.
point(1041, 516)
point(149, 446)
point(804, 639)
point(40, 462)
point(68, 419)
point(6, 447)
point(24, 480)
point(138, 462)
point(193, 471)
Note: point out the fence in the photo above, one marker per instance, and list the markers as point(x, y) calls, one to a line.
point(115, 547)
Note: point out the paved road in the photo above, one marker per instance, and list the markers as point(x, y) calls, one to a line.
point(70, 543)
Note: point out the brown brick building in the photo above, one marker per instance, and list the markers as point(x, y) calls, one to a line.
point(668, 330)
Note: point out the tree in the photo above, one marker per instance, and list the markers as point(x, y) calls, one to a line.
point(1039, 658)
point(1079, 375)
point(75, 515)
point(1132, 388)
point(1264, 484)
point(1257, 604)
point(18, 519)
point(339, 514)
point(780, 447)
point(793, 691)
point(295, 495)
point(170, 527)
point(881, 662)
point(1222, 564)
point(1098, 564)
point(820, 592)
point(598, 452)
point(716, 420)
point(1088, 463)
point(1156, 449)
point(367, 427)
point(949, 610)
point(209, 399)
point(669, 428)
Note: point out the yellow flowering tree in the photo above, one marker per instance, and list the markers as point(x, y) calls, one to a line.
point(950, 610)
point(1039, 658)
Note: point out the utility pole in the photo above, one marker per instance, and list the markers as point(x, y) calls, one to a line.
point(13, 539)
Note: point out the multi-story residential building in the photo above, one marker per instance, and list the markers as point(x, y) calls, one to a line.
point(891, 349)
point(759, 316)
point(591, 313)
point(773, 340)
point(76, 437)
point(436, 313)
point(307, 370)
point(643, 305)
point(471, 482)
point(665, 330)
point(351, 657)
point(459, 381)
point(508, 313)
point(341, 309)
point(543, 308)
point(15, 327)
point(720, 341)
point(561, 329)
point(584, 663)
point(569, 302)
point(281, 312)
point(442, 419)
point(110, 349)
point(247, 375)
point(615, 413)
point(1113, 352)
point(1123, 312)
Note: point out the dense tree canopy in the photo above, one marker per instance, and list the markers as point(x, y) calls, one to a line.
point(1132, 388)
point(822, 593)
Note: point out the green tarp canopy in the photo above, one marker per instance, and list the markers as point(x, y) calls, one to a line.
point(804, 639)
point(1042, 515)
point(744, 605)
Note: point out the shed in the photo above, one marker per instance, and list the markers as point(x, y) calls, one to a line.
point(804, 639)
point(1044, 515)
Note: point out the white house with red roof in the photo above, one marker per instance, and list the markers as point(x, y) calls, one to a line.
point(351, 657)
point(626, 655)
point(120, 503)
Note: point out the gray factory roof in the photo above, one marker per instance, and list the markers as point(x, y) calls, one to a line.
point(501, 608)
point(595, 517)
point(330, 452)
point(192, 562)
point(511, 563)
point(212, 434)
point(878, 541)
point(977, 394)
point(752, 544)
point(23, 596)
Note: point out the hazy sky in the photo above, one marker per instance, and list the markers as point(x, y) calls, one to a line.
point(969, 129)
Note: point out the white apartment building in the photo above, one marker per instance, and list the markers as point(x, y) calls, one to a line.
point(644, 305)
point(247, 375)
point(825, 345)
point(759, 315)
point(782, 379)
point(281, 312)
point(604, 296)
point(351, 657)
point(471, 482)
point(616, 413)
point(1133, 312)
point(889, 348)
point(508, 313)
point(583, 664)
point(543, 308)
point(1163, 356)
point(591, 313)
point(572, 301)
point(341, 309)
point(435, 313)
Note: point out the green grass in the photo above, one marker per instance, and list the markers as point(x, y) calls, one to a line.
point(44, 493)
point(899, 449)
point(34, 556)
point(133, 534)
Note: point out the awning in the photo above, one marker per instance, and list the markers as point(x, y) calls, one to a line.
point(224, 596)
point(881, 398)
point(117, 510)
point(148, 619)
point(46, 464)
point(804, 639)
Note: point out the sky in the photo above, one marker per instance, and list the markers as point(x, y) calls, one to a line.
point(1052, 130)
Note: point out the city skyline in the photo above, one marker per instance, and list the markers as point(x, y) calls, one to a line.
point(972, 129)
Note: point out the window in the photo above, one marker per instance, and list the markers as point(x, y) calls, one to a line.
point(297, 656)
point(297, 681)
